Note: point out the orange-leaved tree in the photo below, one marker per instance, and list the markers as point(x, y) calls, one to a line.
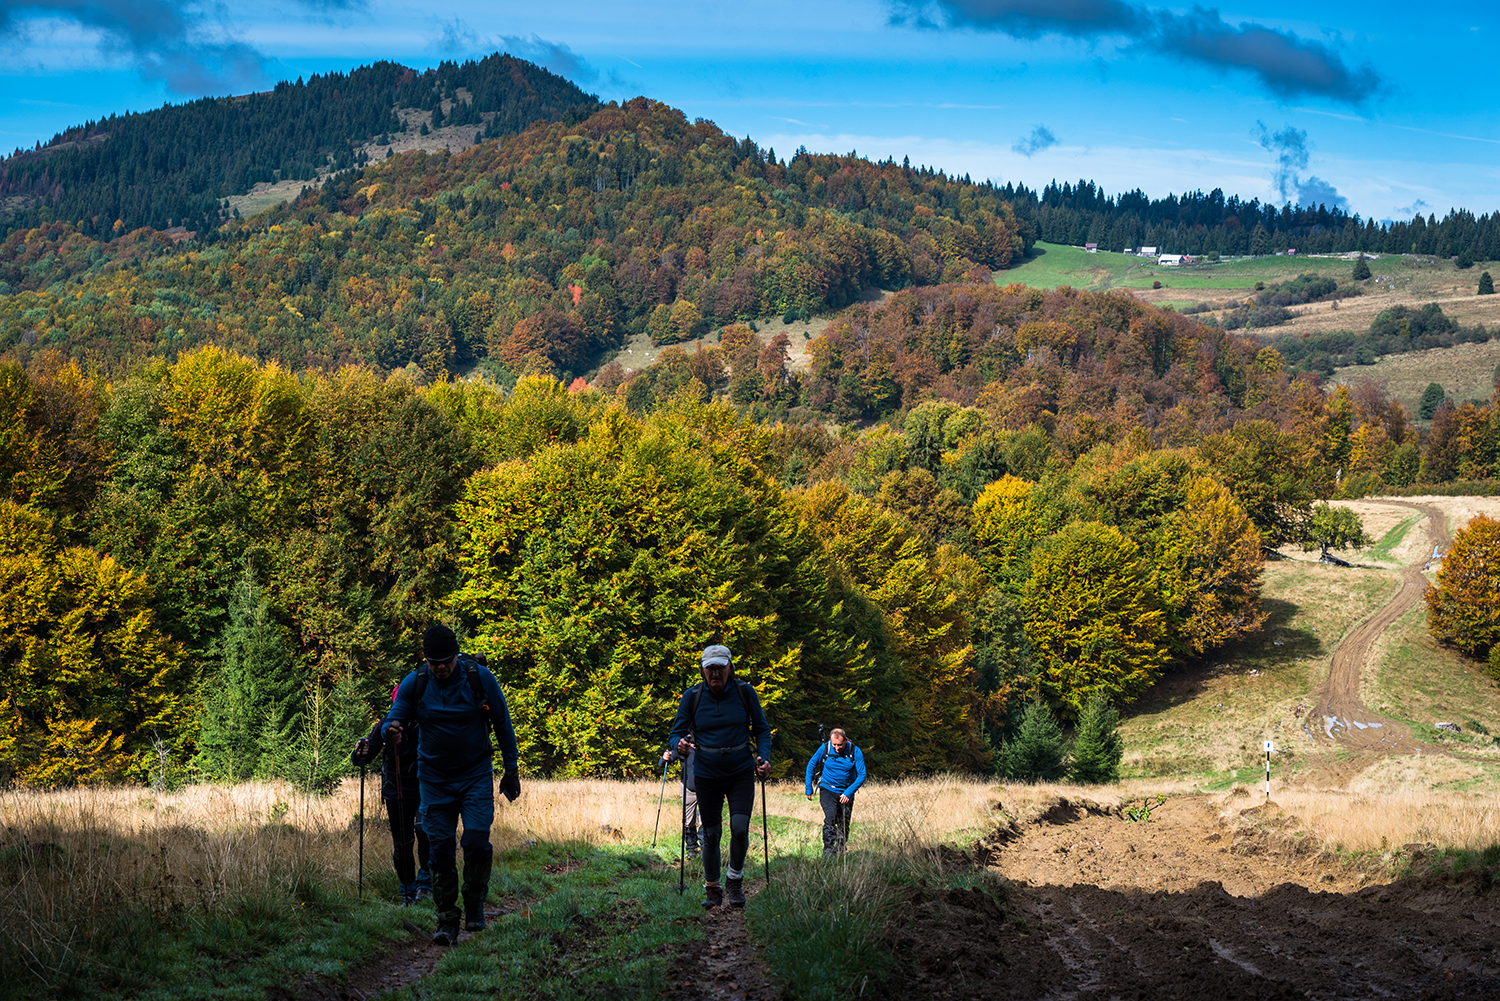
point(1463, 610)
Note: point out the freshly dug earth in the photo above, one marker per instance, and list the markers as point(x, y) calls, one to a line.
point(1220, 898)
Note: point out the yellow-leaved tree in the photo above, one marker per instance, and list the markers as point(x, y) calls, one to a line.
point(1095, 622)
point(90, 687)
point(1464, 608)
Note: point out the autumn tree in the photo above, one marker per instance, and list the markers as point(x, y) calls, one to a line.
point(1095, 622)
point(1463, 608)
point(92, 689)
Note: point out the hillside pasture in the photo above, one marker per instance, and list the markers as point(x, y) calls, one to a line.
point(1465, 371)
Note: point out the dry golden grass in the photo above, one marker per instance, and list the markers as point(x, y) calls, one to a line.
point(1465, 371)
point(1368, 820)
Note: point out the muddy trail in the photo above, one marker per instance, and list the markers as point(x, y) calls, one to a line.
point(1213, 898)
point(1339, 718)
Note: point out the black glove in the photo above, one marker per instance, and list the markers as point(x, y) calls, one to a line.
point(510, 785)
point(361, 755)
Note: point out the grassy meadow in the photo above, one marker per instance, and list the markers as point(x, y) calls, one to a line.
point(1465, 371)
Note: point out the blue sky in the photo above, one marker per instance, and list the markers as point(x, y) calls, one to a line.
point(1388, 110)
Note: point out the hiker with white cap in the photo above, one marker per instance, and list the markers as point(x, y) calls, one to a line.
point(721, 722)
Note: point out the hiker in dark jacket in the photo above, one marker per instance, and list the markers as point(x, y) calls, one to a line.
point(843, 774)
point(715, 722)
point(457, 701)
point(403, 798)
point(689, 800)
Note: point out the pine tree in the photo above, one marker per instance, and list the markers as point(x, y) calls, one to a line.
point(1432, 397)
point(1361, 269)
point(1486, 284)
point(251, 706)
point(1038, 753)
point(332, 718)
point(1465, 260)
point(1097, 745)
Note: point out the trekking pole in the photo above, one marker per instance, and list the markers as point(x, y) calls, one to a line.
point(682, 842)
point(361, 832)
point(765, 830)
point(659, 800)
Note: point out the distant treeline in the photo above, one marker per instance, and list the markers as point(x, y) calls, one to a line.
point(1198, 223)
point(175, 165)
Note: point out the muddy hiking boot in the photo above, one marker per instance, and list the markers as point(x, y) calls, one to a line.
point(447, 934)
point(734, 891)
point(713, 896)
point(476, 886)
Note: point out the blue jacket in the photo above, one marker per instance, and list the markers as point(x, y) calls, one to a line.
point(455, 738)
point(842, 772)
point(721, 731)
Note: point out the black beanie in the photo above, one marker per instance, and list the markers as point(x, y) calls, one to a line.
point(439, 643)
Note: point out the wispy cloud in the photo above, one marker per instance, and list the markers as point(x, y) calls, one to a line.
point(1289, 148)
point(1040, 138)
point(179, 44)
point(1286, 64)
point(457, 37)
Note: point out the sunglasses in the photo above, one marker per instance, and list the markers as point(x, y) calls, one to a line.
point(441, 663)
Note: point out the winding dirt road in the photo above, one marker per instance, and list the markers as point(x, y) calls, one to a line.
point(1339, 717)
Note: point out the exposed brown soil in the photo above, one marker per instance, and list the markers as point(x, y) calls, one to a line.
point(723, 967)
point(1214, 898)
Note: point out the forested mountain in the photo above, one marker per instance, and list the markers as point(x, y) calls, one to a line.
point(540, 251)
point(1198, 223)
point(174, 165)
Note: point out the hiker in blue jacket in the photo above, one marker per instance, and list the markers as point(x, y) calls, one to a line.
point(843, 774)
point(403, 798)
point(716, 720)
point(456, 700)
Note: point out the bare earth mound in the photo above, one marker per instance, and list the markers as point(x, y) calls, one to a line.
point(1211, 899)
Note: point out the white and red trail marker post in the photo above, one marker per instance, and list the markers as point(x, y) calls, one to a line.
point(1270, 748)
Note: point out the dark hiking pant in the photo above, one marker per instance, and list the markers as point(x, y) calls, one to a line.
point(739, 790)
point(402, 814)
point(835, 821)
point(690, 817)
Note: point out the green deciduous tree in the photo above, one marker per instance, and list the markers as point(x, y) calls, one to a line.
point(1332, 527)
point(1463, 609)
point(1098, 747)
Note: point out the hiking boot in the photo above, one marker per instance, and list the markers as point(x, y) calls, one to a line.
point(713, 896)
point(408, 894)
point(424, 885)
point(445, 935)
point(734, 890)
point(690, 840)
point(473, 914)
point(424, 892)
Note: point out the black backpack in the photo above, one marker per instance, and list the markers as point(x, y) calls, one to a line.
point(696, 693)
point(471, 664)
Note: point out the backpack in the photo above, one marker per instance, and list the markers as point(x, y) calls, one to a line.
point(696, 693)
point(471, 665)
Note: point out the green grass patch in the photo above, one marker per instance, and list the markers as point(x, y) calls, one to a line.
point(242, 950)
point(1421, 682)
point(1052, 265)
point(1383, 549)
point(606, 928)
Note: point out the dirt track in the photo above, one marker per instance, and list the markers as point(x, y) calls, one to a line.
point(1338, 716)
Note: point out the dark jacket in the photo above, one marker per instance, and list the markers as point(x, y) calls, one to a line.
point(721, 731)
point(390, 767)
point(455, 744)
